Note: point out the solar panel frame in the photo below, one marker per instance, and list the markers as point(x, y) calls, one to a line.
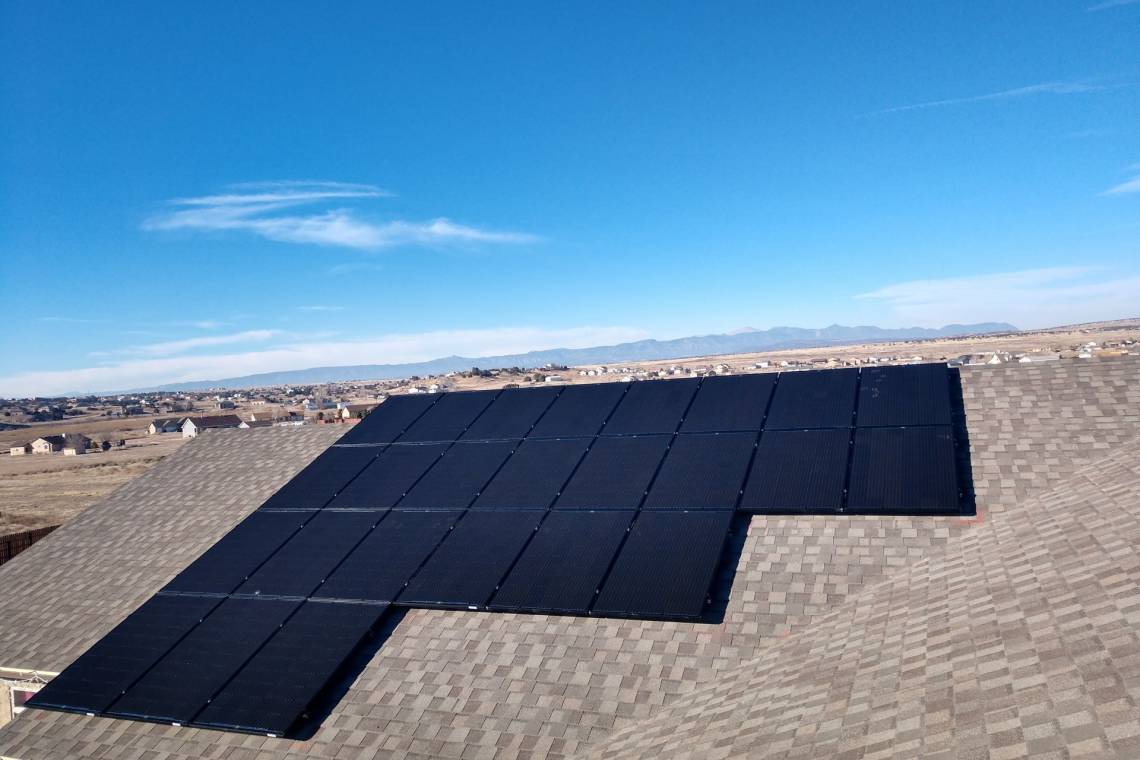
point(798, 472)
point(904, 395)
point(389, 477)
point(300, 566)
point(466, 568)
point(906, 470)
point(459, 475)
point(813, 399)
point(387, 421)
point(702, 471)
point(730, 403)
point(561, 568)
point(378, 569)
point(225, 565)
point(641, 585)
point(114, 662)
point(534, 475)
point(615, 474)
point(652, 406)
point(580, 410)
point(273, 690)
point(180, 684)
point(449, 417)
point(512, 414)
point(322, 479)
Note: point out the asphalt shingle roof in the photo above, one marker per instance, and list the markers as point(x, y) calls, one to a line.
point(841, 636)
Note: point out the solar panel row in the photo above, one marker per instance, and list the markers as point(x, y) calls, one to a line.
point(612, 499)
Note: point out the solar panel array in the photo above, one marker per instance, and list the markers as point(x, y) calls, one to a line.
point(610, 500)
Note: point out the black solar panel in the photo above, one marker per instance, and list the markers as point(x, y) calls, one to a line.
point(652, 406)
point(579, 410)
point(820, 399)
point(455, 481)
point(734, 402)
point(564, 563)
point(917, 394)
point(388, 478)
point(273, 690)
point(300, 565)
point(449, 417)
point(468, 566)
point(615, 473)
point(534, 475)
point(702, 471)
point(385, 423)
point(666, 566)
point(378, 569)
point(227, 563)
point(904, 471)
point(512, 414)
point(118, 659)
point(197, 668)
point(798, 471)
point(326, 475)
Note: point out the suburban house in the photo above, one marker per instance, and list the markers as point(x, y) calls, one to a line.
point(246, 424)
point(20, 449)
point(170, 425)
point(192, 426)
point(73, 443)
point(356, 411)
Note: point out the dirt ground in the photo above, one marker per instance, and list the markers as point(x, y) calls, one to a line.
point(38, 490)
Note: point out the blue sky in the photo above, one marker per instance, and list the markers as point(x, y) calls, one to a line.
point(219, 189)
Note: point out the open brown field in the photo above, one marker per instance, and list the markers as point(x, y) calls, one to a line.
point(49, 489)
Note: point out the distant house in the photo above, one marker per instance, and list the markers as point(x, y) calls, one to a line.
point(74, 443)
point(356, 411)
point(20, 449)
point(246, 424)
point(192, 426)
point(169, 425)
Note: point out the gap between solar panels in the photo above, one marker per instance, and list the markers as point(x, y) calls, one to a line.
point(610, 500)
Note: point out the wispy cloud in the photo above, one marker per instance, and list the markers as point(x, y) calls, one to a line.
point(1043, 88)
point(320, 308)
point(272, 210)
point(1128, 186)
point(173, 347)
point(1110, 4)
point(142, 371)
point(1028, 298)
point(70, 320)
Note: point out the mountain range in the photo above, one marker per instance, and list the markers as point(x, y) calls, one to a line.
point(744, 340)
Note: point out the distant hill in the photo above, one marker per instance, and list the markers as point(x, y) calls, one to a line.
point(746, 340)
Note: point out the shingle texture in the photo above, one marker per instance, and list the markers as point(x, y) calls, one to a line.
point(1003, 636)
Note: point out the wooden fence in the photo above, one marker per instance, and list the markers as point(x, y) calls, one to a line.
point(15, 543)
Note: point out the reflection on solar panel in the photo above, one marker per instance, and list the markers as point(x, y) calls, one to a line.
point(605, 500)
point(798, 471)
point(535, 475)
point(273, 690)
point(916, 394)
point(385, 481)
point(732, 402)
point(467, 567)
point(651, 408)
point(564, 564)
point(615, 473)
point(579, 410)
point(702, 471)
point(449, 417)
point(819, 399)
point(390, 419)
point(904, 471)
point(512, 414)
point(458, 476)
point(180, 684)
point(666, 565)
point(318, 483)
